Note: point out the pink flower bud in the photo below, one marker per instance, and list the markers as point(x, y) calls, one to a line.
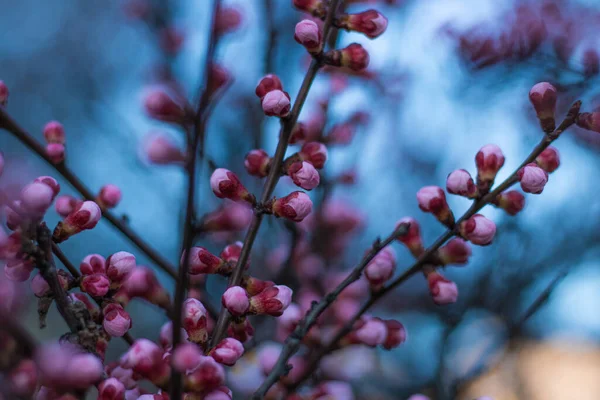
point(512, 202)
point(314, 7)
point(55, 152)
point(228, 351)
point(267, 84)
point(460, 182)
point(276, 103)
point(166, 335)
point(171, 39)
point(254, 286)
point(65, 205)
point(3, 94)
point(161, 150)
point(372, 332)
point(109, 197)
point(295, 206)
point(218, 78)
point(478, 230)
point(22, 380)
point(381, 268)
point(119, 265)
point(543, 99)
point(341, 134)
point(257, 163)
point(589, 121)
point(354, 57)
point(207, 375)
point(229, 217)
point(93, 264)
point(96, 285)
point(235, 300)
point(288, 321)
point(307, 33)
point(272, 301)
point(51, 182)
point(396, 334)
point(111, 389)
point(228, 19)
point(241, 329)
point(18, 270)
point(161, 106)
point(532, 178)
point(39, 286)
point(412, 239)
point(36, 198)
point(141, 282)
point(146, 358)
point(186, 357)
point(64, 366)
point(221, 393)
point(116, 320)
point(489, 160)
point(441, 289)
point(202, 261)
point(84, 217)
point(298, 133)
point(370, 22)
point(231, 253)
point(195, 320)
point(304, 175)
point(226, 185)
point(54, 132)
point(314, 153)
point(456, 251)
point(433, 199)
point(549, 159)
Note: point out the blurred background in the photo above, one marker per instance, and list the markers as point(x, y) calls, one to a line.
point(446, 78)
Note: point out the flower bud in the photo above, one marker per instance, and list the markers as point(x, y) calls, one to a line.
point(109, 197)
point(257, 163)
point(186, 357)
point(226, 185)
point(235, 300)
point(171, 39)
point(459, 182)
point(55, 152)
point(84, 217)
point(589, 121)
point(298, 133)
point(36, 198)
point(272, 301)
point(512, 202)
point(228, 351)
point(96, 285)
point(227, 20)
point(543, 99)
point(161, 106)
point(65, 205)
point(119, 265)
point(267, 84)
point(295, 206)
point(381, 268)
point(111, 389)
point(229, 217)
point(456, 251)
point(314, 153)
point(141, 282)
point(221, 393)
point(308, 34)
point(371, 332)
point(202, 261)
point(93, 264)
point(22, 380)
point(478, 230)
point(288, 321)
point(161, 150)
point(549, 159)
point(116, 320)
point(371, 23)
point(341, 134)
point(241, 329)
point(532, 178)
point(146, 359)
point(396, 334)
point(166, 335)
point(195, 320)
point(489, 160)
point(433, 199)
point(3, 94)
point(63, 366)
point(276, 103)
point(304, 175)
point(207, 375)
point(354, 57)
point(412, 239)
point(442, 290)
point(254, 286)
point(54, 132)
point(317, 8)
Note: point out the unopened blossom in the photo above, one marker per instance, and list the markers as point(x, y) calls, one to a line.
point(236, 301)
point(201, 261)
point(220, 393)
point(433, 199)
point(22, 380)
point(65, 205)
point(92, 264)
point(145, 358)
point(460, 182)
point(96, 285)
point(341, 134)
point(272, 301)
point(276, 103)
point(162, 150)
point(230, 216)
point(161, 106)
point(227, 20)
point(84, 217)
point(195, 319)
point(257, 163)
point(317, 8)
point(314, 153)
point(308, 34)
point(295, 206)
point(241, 329)
point(478, 230)
point(298, 133)
point(14, 213)
point(353, 57)
point(3, 94)
point(171, 39)
point(371, 332)
point(532, 178)
point(36, 198)
point(511, 201)
point(549, 159)
point(141, 282)
point(254, 286)
point(55, 152)
point(442, 290)
point(109, 196)
point(396, 334)
point(65, 366)
point(489, 160)
point(371, 23)
point(18, 270)
point(116, 320)
point(54, 132)
point(288, 321)
point(589, 121)
point(166, 335)
point(412, 239)
point(303, 174)
point(51, 182)
point(218, 78)
point(543, 99)
point(456, 251)
point(231, 253)
point(186, 357)
point(111, 389)
point(267, 84)
point(381, 268)
point(226, 185)
point(207, 376)
point(228, 351)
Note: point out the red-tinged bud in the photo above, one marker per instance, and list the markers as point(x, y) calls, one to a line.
point(257, 163)
point(22, 380)
point(314, 153)
point(207, 375)
point(141, 282)
point(195, 319)
point(50, 181)
point(341, 134)
point(161, 150)
point(159, 105)
point(412, 239)
point(298, 133)
point(267, 84)
point(276, 103)
point(381, 268)
point(532, 178)
point(124, 375)
point(241, 329)
point(478, 230)
point(317, 8)
point(228, 351)
point(55, 152)
point(254, 286)
point(354, 57)
point(442, 290)
point(370, 331)
point(549, 159)
point(201, 261)
point(186, 357)
point(226, 185)
point(371, 23)
point(228, 19)
point(308, 34)
point(96, 285)
point(456, 251)
point(432, 199)
point(118, 266)
point(231, 253)
point(589, 121)
point(3, 94)
point(65, 205)
point(543, 99)
point(489, 160)
point(111, 389)
point(229, 217)
point(18, 270)
point(396, 334)
point(512, 202)
point(305, 175)
point(221, 393)
point(93, 264)
point(171, 39)
point(288, 321)
point(84, 217)
point(219, 77)
point(54, 132)
point(64, 366)
point(146, 359)
point(268, 355)
point(272, 301)
point(166, 335)
point(459, 182)
point(36, 198)
point(295, 206)
point(235, 300)
point(116, 320)
point(109, 196)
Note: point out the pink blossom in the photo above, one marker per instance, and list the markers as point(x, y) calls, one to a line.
point(84, 217)
point(36, 198)
point(65, 366)
point(161, 150)
point(241, 330)
point(372, 333)
point(96, 285)
point(433, 199)
point(18, 270)
point(227, 20)
point(412, 239)
point(22, 379)
point(304, 175)
point(207, 376)
point(295, 206)
point(235, 300)
point(489, 160)
point(307, 33)
point(166, 335)
point(532, 178)
point(51, 182)
point(543, 99)
point(186, 357)
point(272, 301)
point(1, 159)
point(371, 22)
point(55, 152)
point(257, 163)
point(589, 121)
point(201, 261)
point(226, 185)
point(231, 252)
point(111, 389)
point(460, 182)
point(65, 205)
point(334, 390)
point(116, 320)
point(511, 201)
point(195, 320)
point(228, 351)
point(276, 103)
point(221, 393)
point(92, 264)
point(354, 57)
point(141, 282)
point(125, 376)
point(110, 196)
point(229, 217)
point(268, 355)
point(314, 7)
point(54, 132)
point(381, 268)
point(119, 265)
point(341, 134)
point(314, 153)
point(396, 334)
point(267, 84)
point(549, 159)
point(478, 230)
point(161, 106)
point(456, 251)
point(145, 358)
point(442, 290)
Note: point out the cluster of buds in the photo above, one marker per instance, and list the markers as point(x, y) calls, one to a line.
point(373, 331)
point(274, 101)
point(142, 283)
point(54, 134)
point(272, 300)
